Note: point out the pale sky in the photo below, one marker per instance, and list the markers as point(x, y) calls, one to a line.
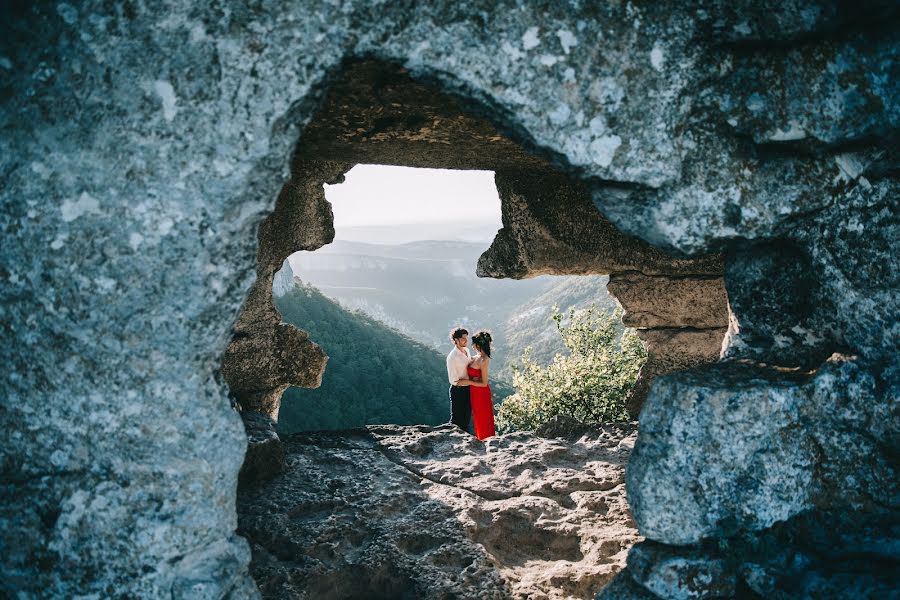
point(377, 195)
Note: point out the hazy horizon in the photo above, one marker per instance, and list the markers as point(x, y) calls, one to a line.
point(394, 205)
point(418, 232)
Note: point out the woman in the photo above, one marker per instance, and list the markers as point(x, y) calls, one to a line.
point(482, 404)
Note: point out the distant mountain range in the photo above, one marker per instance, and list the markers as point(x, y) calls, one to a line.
point(480, 233)
point(424, 288)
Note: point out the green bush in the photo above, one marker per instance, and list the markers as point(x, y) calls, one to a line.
point(590, 383)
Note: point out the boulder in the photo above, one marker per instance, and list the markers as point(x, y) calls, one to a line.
point(678, 573)
point(732, 448)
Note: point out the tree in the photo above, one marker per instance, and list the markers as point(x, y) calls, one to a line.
point(590, 383)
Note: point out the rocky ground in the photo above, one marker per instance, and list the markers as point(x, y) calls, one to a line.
point(428, 512)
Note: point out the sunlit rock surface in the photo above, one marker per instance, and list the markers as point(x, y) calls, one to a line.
point(422, 512)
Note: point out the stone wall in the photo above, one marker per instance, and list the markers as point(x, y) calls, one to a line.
point(144, 144)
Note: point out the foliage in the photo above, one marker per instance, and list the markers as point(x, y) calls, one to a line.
point(590, 383)
point(521, 329)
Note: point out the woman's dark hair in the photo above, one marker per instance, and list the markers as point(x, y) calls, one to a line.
point(457, 332)
point(483, 339)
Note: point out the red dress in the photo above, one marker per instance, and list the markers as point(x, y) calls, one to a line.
point(482, 408)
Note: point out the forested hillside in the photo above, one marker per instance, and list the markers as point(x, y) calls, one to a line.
point(421, 288)
point(374, 374)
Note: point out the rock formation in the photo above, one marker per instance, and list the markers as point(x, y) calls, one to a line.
point(748, 146)
point(375, 112)
point(422, 512)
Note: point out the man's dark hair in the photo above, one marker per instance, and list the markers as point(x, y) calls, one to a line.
point(457, 332)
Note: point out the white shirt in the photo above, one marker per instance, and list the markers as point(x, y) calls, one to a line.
point(457, 361)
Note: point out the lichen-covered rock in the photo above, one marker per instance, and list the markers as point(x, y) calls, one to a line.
point(428, 512)
point(623, 587)
point(732, 448)
point(779, 313)
point(853, 245)
point(830, 554)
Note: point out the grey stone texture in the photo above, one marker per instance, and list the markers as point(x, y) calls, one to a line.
point(679, 573)
point(431, 512)
point(845, 554)
point(733, 448)
point(144, 145)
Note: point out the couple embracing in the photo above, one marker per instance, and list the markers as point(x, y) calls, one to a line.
point(470, 394)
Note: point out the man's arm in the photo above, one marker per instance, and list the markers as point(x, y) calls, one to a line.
point(483, 380)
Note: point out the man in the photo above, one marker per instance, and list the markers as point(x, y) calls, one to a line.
point(457, 361)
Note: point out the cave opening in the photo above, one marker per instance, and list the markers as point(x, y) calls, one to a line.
point(145, 142)
point(376, 113)
point(402, 272)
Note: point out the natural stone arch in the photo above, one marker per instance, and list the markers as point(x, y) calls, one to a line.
point(374, 112)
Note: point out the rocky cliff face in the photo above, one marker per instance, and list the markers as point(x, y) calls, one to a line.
point(744, 146)
point(421, 512)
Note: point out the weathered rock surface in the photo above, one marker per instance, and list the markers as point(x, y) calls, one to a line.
point(680, 573)
point(733, 448)
point(669, 302)
point(670, 350)
point(266, 356)
point(623, 587)
point(676, 349)
point(846, 554)
point(679, 303)
point(779, 311)
point(422, 512)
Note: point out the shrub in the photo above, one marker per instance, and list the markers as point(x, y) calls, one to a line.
point(590, 383)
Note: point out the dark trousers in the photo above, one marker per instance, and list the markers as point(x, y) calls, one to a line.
point(460, 407)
